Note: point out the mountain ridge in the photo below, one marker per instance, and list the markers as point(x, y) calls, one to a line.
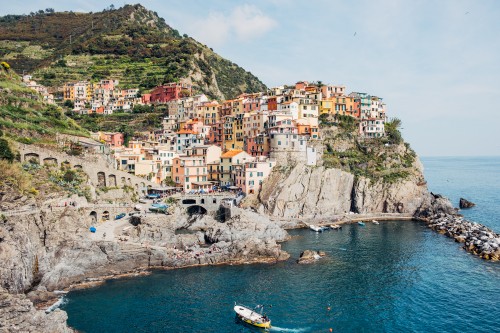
point(132, 44)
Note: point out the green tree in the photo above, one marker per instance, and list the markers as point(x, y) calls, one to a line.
point(69, 104)
point(392, 130)
point(5, 151)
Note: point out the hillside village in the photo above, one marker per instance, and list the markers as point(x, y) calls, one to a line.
point(205, 145)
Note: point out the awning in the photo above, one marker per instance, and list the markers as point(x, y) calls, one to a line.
point(203, 183)
point(233, 187)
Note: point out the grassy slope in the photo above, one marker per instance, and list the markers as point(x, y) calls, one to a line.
point(24, 117)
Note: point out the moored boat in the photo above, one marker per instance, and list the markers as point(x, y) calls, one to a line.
point(315, 228)
point(335, 226)
point(361, 223)
point(252, 317)
point(375, 222)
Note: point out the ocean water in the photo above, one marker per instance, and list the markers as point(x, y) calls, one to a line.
point(392, 277)
point(476, 179)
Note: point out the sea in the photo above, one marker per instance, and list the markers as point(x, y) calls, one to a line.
point(398, 276)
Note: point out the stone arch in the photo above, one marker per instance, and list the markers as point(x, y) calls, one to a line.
point(105, 215)
point(78, 166)
point(189, 201)
point(112, 180)
point(101, 179)
point(202, 201)
point(50, 161)
point(196, 209)
point(93, 216)
point(32, 157)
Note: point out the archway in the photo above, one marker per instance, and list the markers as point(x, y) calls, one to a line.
point(50, 161)
point(196, 209)
point(78, 166)
point(189, 201)
point(93, 216)
point(32, 157)
point(112, 180)
point(101, 179)
point(105, 215)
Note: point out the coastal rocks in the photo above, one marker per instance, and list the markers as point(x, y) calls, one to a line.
point(243, 225)
point(17, 314)
point(463, 203)
point(307, 192)
point(477, 239)
point(405, 196)
point(313, 192)
point(309, 256)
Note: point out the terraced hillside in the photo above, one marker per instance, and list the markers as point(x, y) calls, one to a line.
point(25, 118)
point(131, 44)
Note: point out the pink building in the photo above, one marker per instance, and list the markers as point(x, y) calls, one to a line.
point(251, 175)
point(112, 139)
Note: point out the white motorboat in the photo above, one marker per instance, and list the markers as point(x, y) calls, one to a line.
point(375, 222)
point(252, 317)
point(315, 228)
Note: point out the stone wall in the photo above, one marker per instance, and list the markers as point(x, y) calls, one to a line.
point(99, 171)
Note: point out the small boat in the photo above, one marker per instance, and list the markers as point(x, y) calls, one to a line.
point(375, 222)
point(361, 223)
point(315, 228)
point(252, 317)
point(335, 226)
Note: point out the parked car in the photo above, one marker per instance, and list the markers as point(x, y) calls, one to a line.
point(119, 216)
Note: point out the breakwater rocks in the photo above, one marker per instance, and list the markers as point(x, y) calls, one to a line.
point(477, 238)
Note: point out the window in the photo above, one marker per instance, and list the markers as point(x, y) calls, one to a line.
point(187, 180)
point(279, 143)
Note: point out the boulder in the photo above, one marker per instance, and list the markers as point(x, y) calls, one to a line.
point(465, 203)
point(309, 256)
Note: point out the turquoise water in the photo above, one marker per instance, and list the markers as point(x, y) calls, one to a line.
point(392, 277)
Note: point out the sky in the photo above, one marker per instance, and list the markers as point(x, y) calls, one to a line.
point(436, 64)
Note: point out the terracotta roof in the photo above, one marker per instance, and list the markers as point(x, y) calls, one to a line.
point(231, 153)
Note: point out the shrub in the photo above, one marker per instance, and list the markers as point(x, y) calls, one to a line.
point(5, 152)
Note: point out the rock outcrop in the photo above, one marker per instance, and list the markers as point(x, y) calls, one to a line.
point(55, 251)
point(17, 314)
point(404, 196)
point(309, 256)
point(464, 203)
point(307, 192)
point(315, 192)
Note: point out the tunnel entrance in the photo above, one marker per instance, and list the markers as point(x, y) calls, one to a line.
point(196, 210)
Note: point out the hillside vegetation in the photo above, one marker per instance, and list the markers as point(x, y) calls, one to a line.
point(130, 44)
point(387, 158)
point(25, 118)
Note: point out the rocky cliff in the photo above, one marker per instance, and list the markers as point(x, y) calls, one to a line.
point(49, 251)
point(353, 175)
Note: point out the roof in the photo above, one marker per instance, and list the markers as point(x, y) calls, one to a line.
point(231, 153)
point(185, 132)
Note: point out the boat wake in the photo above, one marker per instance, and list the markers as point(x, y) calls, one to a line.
point(293, 330)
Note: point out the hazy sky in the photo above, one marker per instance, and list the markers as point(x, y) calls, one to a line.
point(435, 63)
